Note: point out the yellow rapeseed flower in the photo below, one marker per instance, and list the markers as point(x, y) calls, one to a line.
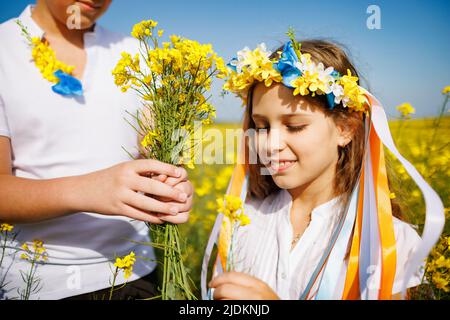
point(45, 60)
point(143, 29)
point(446, 90)
point(231, 206)
point(406, 109)
point(244, 220)
point(126, 264)
point(149, 139)
point(6, 227)
point(25, 246)
point(440, 282)
point(36, 253)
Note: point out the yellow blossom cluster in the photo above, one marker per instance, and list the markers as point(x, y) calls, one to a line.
point(406, 109)
point(254, 66)
point(36, 253)
point(150, 138)
point(183, 59)
point(6, 227)
point(446, 90)
point(144, 29)
point(173, 76)
point(125, 72)
point(354, 96)
point(231, 207)
point(45, 60)
point(126, 264)
point(438, 266)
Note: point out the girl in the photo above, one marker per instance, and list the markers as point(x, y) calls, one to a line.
point(322, 222)
point(64, 177)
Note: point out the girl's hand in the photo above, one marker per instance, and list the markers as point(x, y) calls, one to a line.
point(131, 189)
point(184, 185)
point(241, 286)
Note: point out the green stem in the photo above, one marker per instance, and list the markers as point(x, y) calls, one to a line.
point(111, 290)
point(437, 121)
point(3, 247)
point(30, 280)
point(436, 124)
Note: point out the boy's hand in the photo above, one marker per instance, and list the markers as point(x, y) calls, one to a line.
point(130, 189)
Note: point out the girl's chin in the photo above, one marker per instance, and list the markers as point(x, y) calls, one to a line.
point(285, 182)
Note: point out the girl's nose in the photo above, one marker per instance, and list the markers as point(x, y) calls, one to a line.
point(273, 143)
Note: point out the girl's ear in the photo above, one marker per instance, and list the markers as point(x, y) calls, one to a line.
point(344, 134)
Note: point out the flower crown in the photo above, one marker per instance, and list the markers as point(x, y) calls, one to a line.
point(295, 70)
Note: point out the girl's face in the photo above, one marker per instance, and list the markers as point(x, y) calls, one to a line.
point(295, 141)
point(90, 10)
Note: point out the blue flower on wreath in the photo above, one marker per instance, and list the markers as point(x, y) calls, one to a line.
point(286, 65)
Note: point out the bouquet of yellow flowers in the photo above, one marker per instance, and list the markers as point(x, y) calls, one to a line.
point(172, 78)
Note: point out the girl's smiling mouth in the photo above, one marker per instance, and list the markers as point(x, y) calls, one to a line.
point(281, 165)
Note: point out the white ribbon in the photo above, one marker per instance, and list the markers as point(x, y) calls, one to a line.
point(434, 209)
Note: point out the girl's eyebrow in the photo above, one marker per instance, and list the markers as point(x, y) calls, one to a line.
point(255, 115)
point(292, 115)
point(283, 116)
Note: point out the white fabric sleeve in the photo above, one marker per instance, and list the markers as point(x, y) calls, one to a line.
point(4, 128)
point(407, 241)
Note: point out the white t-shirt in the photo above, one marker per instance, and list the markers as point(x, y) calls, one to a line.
point(54, 136)
point(263, 248)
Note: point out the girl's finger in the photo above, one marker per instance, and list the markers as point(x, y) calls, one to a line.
point(160, 177)
point(232, 292)
point(182, 217)
point(157, 188)
point(237, 278)
point(185, 186)
point(174, 181)
point(140, 215)
point(155, 166)
point(182, 206)
point(149, 204)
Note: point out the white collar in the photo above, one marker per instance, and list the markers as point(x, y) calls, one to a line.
point(325, 210)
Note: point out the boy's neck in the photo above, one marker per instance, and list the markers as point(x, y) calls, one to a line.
point(54, 28)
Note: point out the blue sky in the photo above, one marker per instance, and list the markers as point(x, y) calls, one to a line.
point(407, 60)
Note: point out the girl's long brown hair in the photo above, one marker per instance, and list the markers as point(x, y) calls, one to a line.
point(349, 157)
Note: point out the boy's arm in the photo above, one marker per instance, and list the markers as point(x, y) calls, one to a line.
point(118, 190)
point(28, 200)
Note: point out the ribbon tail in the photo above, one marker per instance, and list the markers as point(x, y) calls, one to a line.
point(434, 209)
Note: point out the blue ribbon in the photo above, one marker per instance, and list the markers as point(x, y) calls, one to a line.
point(330, 279)
point(67, 85)
point(330, 99)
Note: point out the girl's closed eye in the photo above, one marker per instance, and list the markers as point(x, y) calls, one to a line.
point(292, 128)
point(260, 128)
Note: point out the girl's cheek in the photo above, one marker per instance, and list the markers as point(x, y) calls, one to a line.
point(261, 145)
